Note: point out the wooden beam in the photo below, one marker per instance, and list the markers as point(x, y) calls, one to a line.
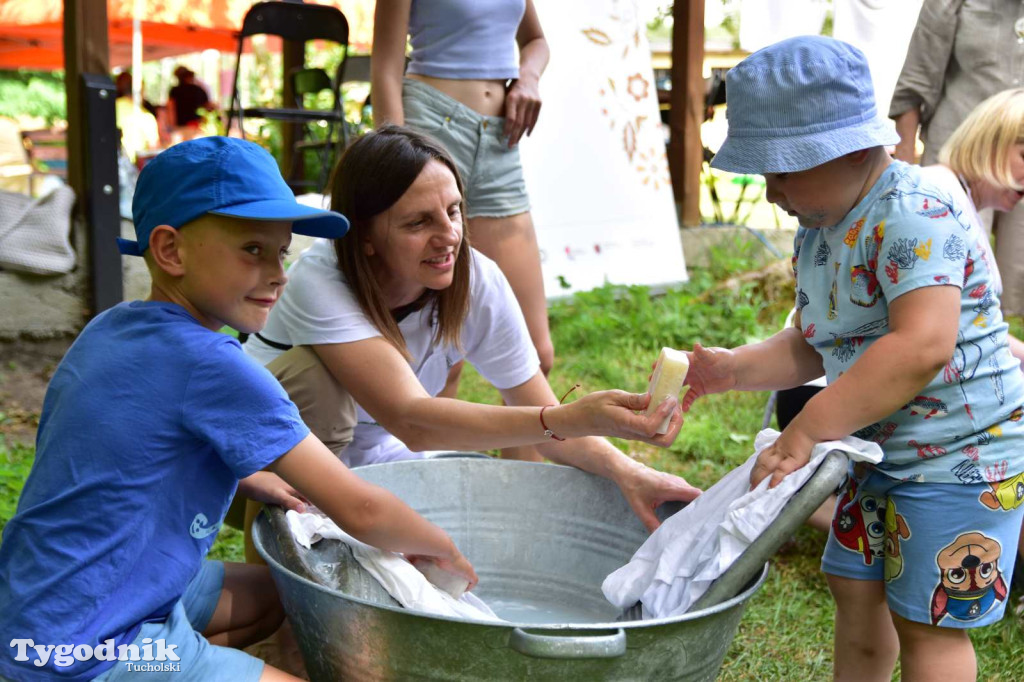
point(86, 50)
point(685, 153)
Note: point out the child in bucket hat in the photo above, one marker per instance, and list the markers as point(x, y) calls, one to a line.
point(895, 306)
point(149, 424)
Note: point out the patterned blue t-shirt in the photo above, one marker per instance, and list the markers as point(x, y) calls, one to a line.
point(909, 232)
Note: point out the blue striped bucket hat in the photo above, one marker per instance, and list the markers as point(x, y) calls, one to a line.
point(798, 104)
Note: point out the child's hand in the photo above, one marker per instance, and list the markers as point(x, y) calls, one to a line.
point(791, 451)
point(458, 565)
point(711, 371)
point(268, 487)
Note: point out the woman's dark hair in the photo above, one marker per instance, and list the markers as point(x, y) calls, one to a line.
point(372, 174)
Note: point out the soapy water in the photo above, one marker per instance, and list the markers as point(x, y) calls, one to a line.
point(511, 610)
point(527, 612)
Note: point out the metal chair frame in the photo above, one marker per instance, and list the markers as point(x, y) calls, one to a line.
point(295, 22)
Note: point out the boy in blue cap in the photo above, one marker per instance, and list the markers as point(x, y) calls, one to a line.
point(895, 306)
point(150, 421)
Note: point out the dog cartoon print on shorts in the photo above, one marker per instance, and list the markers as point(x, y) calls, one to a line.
point(859, 524)
point(970, 582)
point(896, 529)
point(1005, 495)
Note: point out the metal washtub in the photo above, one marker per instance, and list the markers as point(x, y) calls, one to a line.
point(542, 538)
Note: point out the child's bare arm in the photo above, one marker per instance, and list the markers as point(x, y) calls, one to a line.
point(366, 511)
point(923, 326)
point(783, 360)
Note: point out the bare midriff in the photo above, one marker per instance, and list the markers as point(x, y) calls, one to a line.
point(486, 97)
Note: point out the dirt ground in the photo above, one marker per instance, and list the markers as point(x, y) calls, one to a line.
point(25, 371)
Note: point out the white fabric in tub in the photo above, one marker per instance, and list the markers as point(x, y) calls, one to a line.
point(399, 577)
point(681, 559)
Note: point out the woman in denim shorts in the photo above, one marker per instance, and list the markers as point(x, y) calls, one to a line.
point(465, 87)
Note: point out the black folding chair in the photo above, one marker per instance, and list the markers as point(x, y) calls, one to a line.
point(299, 22)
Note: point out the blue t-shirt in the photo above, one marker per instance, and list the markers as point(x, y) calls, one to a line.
point(909, 232)
point(147, 425)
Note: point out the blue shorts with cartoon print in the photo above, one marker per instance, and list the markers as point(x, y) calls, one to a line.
point(945, 551)
point(200, 660)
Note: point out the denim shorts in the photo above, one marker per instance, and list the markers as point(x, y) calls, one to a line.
point(200, 660)
point(491, 172)
point(945, 551)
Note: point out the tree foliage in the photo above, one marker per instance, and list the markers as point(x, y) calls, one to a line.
point(33, 93)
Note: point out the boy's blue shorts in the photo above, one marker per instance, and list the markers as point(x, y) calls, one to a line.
point(945, 551)
point(200, 660)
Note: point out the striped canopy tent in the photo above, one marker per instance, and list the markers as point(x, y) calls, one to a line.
point(31, 31)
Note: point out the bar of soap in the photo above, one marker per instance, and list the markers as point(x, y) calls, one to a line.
point(446, 581)
point(667, 380)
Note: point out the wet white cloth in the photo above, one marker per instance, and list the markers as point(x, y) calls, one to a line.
point(678, 563)
point(399, 577)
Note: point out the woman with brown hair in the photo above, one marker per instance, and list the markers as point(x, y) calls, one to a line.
point(369, 325)
point(470, 88)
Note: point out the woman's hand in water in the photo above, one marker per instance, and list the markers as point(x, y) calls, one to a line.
point(646, 489)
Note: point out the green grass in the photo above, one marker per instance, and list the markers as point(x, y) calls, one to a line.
point(607, 339)
point(15, 463)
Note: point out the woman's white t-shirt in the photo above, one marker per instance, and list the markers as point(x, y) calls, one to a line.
point(318, 307)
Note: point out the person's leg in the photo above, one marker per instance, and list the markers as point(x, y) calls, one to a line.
point(248, 609)
point(511, 242)
point(865, 644)
point(821, 519)
point(929, 652)
point(203, 606)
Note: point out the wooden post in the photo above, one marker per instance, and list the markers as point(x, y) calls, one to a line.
point(86, 50)
point(685, 154)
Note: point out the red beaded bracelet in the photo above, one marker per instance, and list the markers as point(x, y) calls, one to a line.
point(547, 432)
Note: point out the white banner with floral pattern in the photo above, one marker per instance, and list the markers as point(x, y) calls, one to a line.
point(595, 166)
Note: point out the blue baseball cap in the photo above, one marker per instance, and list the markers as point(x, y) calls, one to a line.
point(223, 176)
point(798, 104)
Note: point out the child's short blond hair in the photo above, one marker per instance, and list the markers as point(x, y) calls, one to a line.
point(980, 148)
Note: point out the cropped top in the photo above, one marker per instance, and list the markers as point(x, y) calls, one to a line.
point(465, 39)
